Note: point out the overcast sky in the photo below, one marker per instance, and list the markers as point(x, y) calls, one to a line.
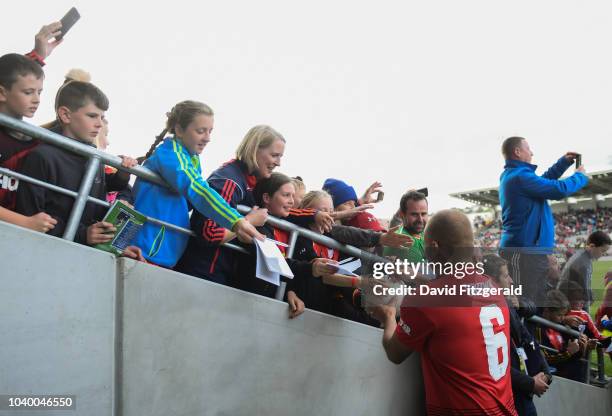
point(409, 93)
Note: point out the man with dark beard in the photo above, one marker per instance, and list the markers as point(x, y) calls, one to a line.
point(414, 213)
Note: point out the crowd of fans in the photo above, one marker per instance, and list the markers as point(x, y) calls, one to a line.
point(208, 207)
point(571, 228)
point(248, 179)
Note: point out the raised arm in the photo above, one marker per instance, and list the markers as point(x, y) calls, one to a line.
point(541, 187)
point(395, 349)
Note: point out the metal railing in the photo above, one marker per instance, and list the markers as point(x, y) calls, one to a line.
point(96, 157)
point(601, 372)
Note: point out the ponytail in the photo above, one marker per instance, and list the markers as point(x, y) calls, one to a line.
point(157, 141)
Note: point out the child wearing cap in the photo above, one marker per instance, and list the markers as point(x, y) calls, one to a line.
point(351, 210)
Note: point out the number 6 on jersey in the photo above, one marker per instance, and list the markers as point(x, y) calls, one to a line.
point(494, 341)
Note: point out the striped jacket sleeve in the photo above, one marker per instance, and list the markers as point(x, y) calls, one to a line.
point(301, 217)
point(231, 192)
point(176, 168)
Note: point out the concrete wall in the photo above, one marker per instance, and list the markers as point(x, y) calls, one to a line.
point(57, 320)
point(191, 347)
point(147, 341)
point(566, 397)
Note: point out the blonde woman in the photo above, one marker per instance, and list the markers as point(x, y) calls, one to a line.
point(257, 156)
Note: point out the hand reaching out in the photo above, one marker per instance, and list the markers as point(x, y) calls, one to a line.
point(246, 232)
point(392, 239)
point(324, 221)
point(367, 197)
point(43, 45)
point(350, 213)
point(257, 216)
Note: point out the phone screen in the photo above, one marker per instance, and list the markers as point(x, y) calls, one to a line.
point(578, 161)
point(68, 21)
point(380, 196)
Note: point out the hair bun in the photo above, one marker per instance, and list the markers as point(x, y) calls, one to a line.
point(77, 74)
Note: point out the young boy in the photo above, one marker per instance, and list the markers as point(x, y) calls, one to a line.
point(21, 80)
point(568, 358)
point(80, 109)
point(576, 295)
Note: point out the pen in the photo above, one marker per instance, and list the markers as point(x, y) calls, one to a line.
point(277, 242)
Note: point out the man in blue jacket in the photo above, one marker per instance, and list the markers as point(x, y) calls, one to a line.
point(528, 227)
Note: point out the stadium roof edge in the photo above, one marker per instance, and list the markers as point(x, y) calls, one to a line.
point(600, 183)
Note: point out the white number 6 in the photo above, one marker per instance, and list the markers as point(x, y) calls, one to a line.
point(494, 341)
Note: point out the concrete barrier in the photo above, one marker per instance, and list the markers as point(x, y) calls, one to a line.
point(132, 339)
point(195, 347)
point(57, 320)
point(567, 397)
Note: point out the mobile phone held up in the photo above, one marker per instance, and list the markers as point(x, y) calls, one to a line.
point(68, 21)
point(380, 196)
point(578, 160)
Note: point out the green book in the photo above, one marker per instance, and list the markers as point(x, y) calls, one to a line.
point(127, 221)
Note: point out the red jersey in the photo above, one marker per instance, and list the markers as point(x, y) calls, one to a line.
point(464, 346)
point(12, 154)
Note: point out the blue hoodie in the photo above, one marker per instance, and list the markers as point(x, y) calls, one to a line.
point(182, 171)
point(527, 220)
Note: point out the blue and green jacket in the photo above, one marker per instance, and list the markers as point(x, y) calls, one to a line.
point(182, 171)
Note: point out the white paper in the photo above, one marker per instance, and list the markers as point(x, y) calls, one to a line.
point(270, 262)
point(261, 269)
point(347, 268)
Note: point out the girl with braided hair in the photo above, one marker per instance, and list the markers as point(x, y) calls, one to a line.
point(176, 159)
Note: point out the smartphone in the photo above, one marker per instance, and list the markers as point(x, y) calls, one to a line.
point(380, 196)
point(424, 191)
point(578, 161)
point(68, 21)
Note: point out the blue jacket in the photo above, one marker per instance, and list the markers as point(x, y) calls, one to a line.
point(527, 221)
point(182, 171)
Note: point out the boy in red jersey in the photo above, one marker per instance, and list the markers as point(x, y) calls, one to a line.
point(21, 80)
point(463, 340)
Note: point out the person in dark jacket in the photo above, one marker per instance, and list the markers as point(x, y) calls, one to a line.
point(528, 227)
point(259, 153)
point(275, 193)
point(21, 82)
point(562, 351)
point(80, 108)
point(529, 371)
point(579, 268)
